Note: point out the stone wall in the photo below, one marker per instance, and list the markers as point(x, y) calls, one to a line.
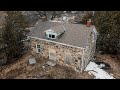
point(64, 55)
point(89, 50)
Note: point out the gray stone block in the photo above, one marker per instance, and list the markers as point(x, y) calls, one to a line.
point(32, 61)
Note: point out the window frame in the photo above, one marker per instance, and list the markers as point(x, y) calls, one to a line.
point(52, 36)
point(38, 48)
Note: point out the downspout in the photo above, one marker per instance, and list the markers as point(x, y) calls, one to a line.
point(82, 64)
point(96, 35)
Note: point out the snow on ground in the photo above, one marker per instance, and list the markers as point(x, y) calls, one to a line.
point(54, 21)
point(62, 19)
point(94, 69)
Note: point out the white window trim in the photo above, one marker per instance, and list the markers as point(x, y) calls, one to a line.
point(38, 48)
point(50, 32)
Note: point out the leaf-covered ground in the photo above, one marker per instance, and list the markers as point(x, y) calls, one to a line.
point(21, 69)
point(113, 61)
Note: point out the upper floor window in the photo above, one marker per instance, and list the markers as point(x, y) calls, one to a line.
point(51, 36)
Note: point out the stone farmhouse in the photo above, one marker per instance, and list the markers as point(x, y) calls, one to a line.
point(66, 44)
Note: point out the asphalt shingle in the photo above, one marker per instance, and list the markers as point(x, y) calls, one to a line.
point(75, 34)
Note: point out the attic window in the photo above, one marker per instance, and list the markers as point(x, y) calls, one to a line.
point(38, 46)
point(51, 36)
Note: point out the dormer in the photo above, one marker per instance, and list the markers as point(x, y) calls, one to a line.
point(50, 34)
point(55, 32)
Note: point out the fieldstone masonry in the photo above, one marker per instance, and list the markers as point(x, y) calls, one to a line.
point(62, 54)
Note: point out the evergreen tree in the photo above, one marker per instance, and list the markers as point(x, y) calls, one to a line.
point(108, 25)
point(14, 34)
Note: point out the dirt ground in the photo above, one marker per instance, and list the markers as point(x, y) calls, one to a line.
point(113, 61)
point(21, 69)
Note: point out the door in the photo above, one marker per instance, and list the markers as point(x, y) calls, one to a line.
point(68, 58)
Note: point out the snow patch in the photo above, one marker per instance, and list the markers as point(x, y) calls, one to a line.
point(94, 69)
point(54, 21)
point(101, 65)
point(62, 19)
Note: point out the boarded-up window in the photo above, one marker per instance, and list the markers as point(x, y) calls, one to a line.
point(68, 58)
point(52, 54)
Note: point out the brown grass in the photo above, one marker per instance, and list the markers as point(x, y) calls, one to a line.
point(22, 70)
point(114, 63)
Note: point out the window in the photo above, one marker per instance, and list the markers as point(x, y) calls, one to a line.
point(38, 48)
point(53, 36)
point(50, 35)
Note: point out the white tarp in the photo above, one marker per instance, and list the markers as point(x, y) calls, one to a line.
point(94, 69)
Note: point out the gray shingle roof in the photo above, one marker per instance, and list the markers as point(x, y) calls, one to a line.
point(58, 29)
point(75, 34)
